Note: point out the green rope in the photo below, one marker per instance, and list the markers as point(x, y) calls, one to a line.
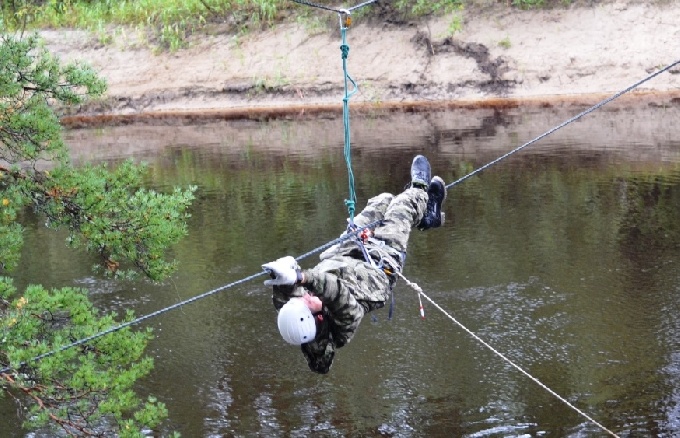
point(345, 21)
point(351, 201)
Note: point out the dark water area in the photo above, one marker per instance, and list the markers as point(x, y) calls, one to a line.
point(564, 257)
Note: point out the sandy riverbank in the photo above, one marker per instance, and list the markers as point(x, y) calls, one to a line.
point(579, 54)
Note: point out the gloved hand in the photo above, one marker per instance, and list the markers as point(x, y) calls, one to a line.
point(283, 271)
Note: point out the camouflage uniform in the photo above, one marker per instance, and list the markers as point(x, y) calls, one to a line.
point(347, 284)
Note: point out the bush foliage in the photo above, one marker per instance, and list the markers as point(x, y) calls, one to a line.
point(169, 22)
point(85, 390)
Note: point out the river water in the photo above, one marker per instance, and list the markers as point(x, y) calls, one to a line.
point(564, 257)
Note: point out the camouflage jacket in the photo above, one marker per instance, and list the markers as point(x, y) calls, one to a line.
point(349, 288)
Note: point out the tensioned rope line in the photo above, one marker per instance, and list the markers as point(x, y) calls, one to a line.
point(338, 10)
point(565, 123)
point(180, 304)
point(331, 243)
point(129, 323)
point(420, 292)
point(338, 240)
point(351, 202)
point(497, 160)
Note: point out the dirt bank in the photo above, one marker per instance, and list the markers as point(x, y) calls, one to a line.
point(500, 57)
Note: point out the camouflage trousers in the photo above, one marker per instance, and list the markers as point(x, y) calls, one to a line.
point(346, 283)
point(402, 213)
point(399, 215)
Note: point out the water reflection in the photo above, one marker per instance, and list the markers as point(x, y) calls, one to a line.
point(564, 257)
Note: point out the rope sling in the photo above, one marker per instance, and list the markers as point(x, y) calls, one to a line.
point(345, 21)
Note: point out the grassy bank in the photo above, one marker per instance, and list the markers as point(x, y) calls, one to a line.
point(167, 23)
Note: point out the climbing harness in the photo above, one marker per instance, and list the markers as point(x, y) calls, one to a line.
point(386, 261)
point(389, 265)
point(359, 234)
point(361, 240)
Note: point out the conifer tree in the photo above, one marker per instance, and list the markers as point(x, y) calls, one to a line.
point(85, 390)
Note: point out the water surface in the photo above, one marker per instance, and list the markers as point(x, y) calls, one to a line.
point(564, 257)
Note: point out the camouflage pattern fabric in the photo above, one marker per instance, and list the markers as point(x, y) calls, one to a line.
point(350, 287)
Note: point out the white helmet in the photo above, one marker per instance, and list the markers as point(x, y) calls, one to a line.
point(296, 322)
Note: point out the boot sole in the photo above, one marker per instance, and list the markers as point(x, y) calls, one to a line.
point(442, 215)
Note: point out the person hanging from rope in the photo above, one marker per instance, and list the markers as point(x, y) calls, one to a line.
point(320, 308)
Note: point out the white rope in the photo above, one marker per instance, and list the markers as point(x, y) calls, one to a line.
point(502, 356)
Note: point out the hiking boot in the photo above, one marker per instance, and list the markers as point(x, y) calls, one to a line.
point(420, 172)
point(434, 217)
